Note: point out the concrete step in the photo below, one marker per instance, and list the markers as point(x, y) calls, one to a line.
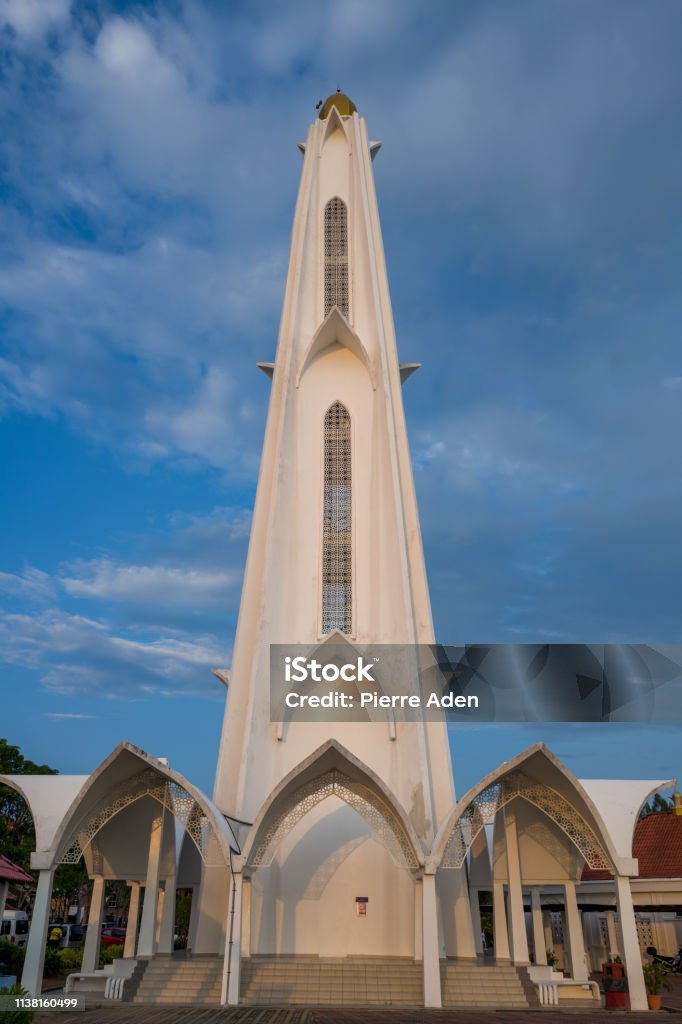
point(504, 987)
point(339, 981)
point(182, 982)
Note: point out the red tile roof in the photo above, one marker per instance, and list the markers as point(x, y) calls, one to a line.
point(657, 846)
point(10, 872)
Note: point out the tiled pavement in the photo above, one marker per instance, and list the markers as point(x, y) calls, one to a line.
point(127, 1014)
point(347, 1015)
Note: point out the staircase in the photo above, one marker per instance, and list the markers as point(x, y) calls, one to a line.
point(313, 981)
point(187, 981)
point(338, 982)
point(502, 987)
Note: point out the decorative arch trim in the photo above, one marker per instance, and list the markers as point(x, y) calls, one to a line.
point(332, 771)
point(89, 813)
point(334, 123)
point(481, 802)
point(173, 797)
point(484, 807)
point(335, 329)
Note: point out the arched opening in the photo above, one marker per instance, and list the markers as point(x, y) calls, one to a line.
point(332, 863)
point(523, 835)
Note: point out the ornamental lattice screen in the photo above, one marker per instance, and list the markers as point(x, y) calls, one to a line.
point(384, 822)
point(337, 584)
point(336, 289)
point(483, 808)
point(169, 794)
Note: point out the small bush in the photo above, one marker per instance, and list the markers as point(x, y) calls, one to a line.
point(17, 1016)
point(71, 959)
point(108, 954)
point(53, 962)
point(655, 978)
point(12, 957)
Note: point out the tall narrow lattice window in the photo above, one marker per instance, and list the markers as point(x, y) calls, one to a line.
point(336, 257)
point(337, 604)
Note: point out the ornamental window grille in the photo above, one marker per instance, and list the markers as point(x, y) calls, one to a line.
point(337, 603)
point(336, 291)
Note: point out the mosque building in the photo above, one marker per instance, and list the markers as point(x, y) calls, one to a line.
point(334, 862)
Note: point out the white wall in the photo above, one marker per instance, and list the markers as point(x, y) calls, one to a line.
point(304, 902)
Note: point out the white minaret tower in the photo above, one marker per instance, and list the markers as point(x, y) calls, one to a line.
point(335, 551)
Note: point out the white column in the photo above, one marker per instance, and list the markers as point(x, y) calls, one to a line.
point(612, 947)
point(193, 919)
point(133, 917)
point(246, 917)
point(629, 944)
point(432, 993)
point(476, 920)
point(233, 934)
point(166, 933)
point(500, 933)
point(167, 922)
point(34, 962)
point(418, 921)
point(519, 939)
point(539, 948)
point(465, 946)
point(213, 899)
point(576, 941)
point(146, 943)
point(93, 934)
point(547, 925)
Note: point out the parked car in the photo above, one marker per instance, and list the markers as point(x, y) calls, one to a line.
point(15, 927)
point(113, 936)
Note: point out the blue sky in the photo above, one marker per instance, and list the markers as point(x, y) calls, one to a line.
point(530, 192)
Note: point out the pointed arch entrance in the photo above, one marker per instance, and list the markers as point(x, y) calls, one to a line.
point(332, 771)
point(524, 834)
point(331, 864)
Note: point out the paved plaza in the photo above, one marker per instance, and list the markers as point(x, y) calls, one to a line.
point(122, 1014)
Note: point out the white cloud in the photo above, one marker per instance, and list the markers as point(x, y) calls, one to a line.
point(31, 18)
point(32, 584)
point(162, 586)
point(128, 630)
point(66, 715)
point(78, 656)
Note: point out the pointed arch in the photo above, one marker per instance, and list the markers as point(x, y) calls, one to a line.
point(332, 770)
point(128, 775)
point(537, 776)
point(336, 331)
point(334, 125)
point(335, 248)
point(337, 523)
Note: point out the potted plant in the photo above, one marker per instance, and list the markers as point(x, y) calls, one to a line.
point(655, 979)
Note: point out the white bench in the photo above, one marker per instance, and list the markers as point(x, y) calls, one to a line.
point(107, 983)
point(548, 983)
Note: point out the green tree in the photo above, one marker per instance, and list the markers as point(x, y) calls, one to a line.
point(17, 835)
point(659, 805)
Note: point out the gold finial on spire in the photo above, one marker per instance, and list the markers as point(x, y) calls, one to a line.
point(343, 104)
